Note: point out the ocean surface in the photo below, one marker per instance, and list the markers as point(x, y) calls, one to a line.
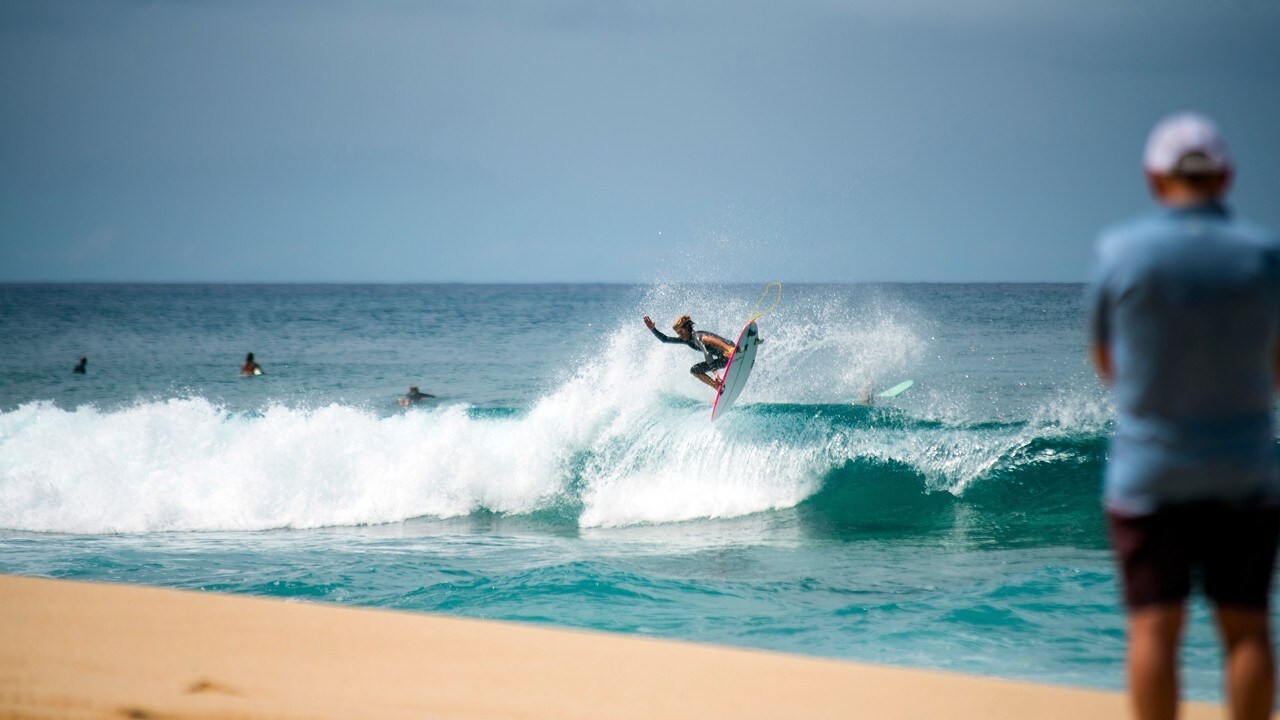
point(567, 473)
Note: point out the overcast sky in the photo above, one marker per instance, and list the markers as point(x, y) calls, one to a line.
point(553, 141)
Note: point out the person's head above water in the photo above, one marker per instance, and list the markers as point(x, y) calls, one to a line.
point(1186, 161)
point(413, 389)
point(683, 327)
point(248, 358)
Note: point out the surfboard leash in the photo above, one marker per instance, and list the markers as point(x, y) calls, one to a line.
point(757, 315)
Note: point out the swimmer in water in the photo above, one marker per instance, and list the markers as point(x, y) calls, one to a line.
point(414, 396)
point(250, 368)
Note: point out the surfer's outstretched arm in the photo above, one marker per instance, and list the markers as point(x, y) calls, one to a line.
point(658, 333)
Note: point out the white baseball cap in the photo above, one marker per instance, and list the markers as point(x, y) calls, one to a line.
point(1185, 144)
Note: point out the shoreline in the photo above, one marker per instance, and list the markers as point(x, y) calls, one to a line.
point(95, 650)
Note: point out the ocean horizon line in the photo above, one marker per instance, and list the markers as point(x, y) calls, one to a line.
point(522, 283)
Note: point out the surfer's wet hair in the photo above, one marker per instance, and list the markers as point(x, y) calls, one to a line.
point(683, 321)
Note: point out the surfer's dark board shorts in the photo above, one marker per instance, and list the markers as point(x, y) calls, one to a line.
point(1230, 549)
point(703, 368)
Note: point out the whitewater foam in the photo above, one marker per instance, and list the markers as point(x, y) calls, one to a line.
point(190, 465)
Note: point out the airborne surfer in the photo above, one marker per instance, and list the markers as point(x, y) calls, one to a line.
point(715, 350)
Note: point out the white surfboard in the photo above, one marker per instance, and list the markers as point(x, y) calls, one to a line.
point(738, 369)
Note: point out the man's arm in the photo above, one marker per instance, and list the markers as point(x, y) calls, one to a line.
point(1277, 366)
point(714, 341)
point(658, 333)
point(1100, 328)
point(1101, 355)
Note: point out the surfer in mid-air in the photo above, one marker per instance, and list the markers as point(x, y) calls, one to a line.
point(715, 350)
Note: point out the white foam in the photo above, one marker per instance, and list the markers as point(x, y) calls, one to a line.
point(188, 465)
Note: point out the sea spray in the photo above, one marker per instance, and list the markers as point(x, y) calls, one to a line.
point(817, 349)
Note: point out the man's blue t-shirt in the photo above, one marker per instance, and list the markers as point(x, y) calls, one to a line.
point(1188, 301)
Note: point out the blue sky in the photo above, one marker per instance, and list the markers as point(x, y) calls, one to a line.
point(565, 141)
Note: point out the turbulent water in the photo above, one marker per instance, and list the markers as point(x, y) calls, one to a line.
point(567, 472)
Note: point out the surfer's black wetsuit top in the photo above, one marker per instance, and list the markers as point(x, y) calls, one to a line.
point(714, 356)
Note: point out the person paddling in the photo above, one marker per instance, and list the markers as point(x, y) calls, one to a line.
point(414, 396)
point(250, 366)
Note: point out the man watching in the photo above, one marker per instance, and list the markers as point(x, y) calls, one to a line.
point(1185, 326)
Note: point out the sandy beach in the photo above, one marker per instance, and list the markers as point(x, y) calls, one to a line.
point(87, 650)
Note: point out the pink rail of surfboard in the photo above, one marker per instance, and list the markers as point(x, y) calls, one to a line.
point(738, 369)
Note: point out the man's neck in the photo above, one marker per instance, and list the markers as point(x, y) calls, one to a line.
point(1185, 198)
point(1176, 192)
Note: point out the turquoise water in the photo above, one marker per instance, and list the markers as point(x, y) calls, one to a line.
point(567, 473)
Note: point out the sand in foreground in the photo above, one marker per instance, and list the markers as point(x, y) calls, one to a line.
point(87, 650)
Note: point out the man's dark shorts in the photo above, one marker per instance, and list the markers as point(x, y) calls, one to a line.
point(1230, 549)
point(703, 368)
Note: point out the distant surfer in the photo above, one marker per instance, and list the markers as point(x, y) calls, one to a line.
point(414, 396)
point(715, 350)
point(250, 367)
point(868, 396)
point(82, 366)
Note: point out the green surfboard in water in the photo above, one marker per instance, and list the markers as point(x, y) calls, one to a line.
point(897, 390)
